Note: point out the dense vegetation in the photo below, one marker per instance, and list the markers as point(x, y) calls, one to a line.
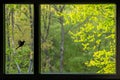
point(78, 38)
point(19, 26)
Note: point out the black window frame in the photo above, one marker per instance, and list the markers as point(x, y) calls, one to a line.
point(37, 75)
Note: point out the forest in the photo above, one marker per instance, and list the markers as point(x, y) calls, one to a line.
point(19, 39)
point(78, 38)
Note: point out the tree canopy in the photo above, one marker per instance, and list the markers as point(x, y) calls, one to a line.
point(81, 38)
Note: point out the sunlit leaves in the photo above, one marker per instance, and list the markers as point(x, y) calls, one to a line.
point(104, 60)
point(93, 35)
point(98, 42)
point(85, 46)
point(91, 32)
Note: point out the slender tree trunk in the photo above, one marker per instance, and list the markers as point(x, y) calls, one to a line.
point(61, 19)
point(60, 9)
point(7, 19)
point(47, 23)
point(32, 37)
point(14, 52)
point(61, 45)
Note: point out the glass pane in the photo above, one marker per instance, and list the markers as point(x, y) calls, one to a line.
point(78, 38)
point(19, 36)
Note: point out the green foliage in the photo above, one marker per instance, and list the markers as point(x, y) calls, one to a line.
point(89, 44)
point(104, 60)
point(96, 35)
point(18, 27)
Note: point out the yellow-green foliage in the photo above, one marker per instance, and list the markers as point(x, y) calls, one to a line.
point(97, 34)
point(47, 45)
point(89, 39)
point(18, 22)
point(105, 60)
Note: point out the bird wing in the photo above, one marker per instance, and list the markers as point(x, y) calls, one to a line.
point(19, 42)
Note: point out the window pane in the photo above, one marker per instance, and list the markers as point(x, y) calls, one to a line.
point(78, 38)
point(19, 36)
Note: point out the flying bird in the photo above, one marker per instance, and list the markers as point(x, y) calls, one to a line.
point(20, 43)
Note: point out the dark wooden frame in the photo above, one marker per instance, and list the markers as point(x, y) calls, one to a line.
point(36, 74)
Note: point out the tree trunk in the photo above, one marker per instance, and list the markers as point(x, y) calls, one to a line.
point(7, 19)
point(60, 9)
point(14, 52)
point(32, 37)
point(62, 38)
point(47, 23)
point(61, 45)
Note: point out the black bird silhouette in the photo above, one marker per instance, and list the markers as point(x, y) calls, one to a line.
point(20, 43)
